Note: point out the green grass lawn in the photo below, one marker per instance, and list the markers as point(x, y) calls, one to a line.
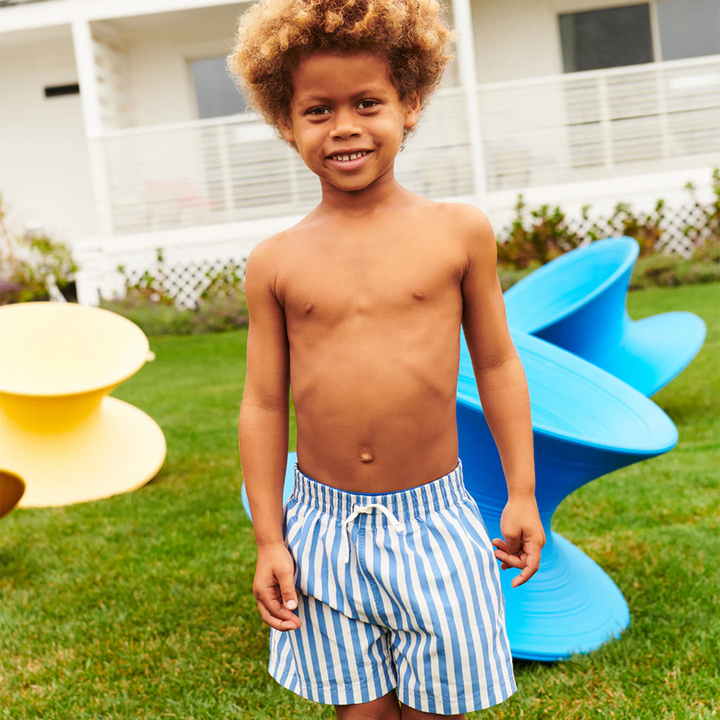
point(141, 606)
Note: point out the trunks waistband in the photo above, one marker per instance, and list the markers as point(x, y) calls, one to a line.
point(399, 506)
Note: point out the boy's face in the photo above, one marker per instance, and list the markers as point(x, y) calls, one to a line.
point(347, 102)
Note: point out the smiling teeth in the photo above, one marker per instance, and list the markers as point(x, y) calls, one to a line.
point(345, 158)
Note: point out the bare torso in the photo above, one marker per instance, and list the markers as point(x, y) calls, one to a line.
point(373, 311)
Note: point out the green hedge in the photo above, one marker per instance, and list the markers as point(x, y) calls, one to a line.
point(659, 270)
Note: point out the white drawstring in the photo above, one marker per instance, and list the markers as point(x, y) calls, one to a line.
point(399, 527)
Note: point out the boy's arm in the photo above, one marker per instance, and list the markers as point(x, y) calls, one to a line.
point(503, 391)
point(263, 439)
point(264, 414)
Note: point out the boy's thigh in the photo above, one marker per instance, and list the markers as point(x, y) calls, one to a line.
point(332, 658)
point(383, 708)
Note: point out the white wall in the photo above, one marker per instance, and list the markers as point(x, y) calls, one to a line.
point(44, 165)
point(159, 47)
point(517, 39)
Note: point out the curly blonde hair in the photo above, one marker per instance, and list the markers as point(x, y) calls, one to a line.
point(273, 35)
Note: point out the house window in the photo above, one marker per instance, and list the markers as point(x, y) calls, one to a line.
point(58, 90)
point(215, 92)
point(610, 37)
point(689, 28)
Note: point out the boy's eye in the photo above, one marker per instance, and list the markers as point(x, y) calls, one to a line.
point(312, 111)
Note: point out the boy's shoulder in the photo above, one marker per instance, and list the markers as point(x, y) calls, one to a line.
point(467, 216)
point(459, 217)
point(460, 220)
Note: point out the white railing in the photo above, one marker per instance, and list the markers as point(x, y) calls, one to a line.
point(8, 3)
point(602, 123)
point(234, 168)
point(541, 131)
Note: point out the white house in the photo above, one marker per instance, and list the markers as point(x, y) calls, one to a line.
point(120, 131)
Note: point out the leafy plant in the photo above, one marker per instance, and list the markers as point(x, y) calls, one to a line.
point(548, 234)
point(546, 238)
point(148, 288)
point(29, 265)
point(645, 227)
point(148, 302)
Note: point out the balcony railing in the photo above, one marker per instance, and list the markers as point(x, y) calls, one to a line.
point(558, 129)
point(8, 3)
point(601, 123)
point(234, 168)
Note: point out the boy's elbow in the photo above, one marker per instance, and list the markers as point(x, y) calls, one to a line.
point(263, 403)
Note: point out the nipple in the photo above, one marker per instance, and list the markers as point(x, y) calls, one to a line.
point(418, 294)
point(309, 307)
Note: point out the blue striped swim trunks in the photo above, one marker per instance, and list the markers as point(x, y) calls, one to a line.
point(395, 590)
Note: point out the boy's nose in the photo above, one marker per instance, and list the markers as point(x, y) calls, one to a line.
point(346, 125)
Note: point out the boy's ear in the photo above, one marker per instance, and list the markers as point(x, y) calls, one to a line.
point(412, 111)
point(287, 131)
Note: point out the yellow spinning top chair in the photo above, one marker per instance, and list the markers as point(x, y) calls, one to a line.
point(58, 429)
point(12, 488)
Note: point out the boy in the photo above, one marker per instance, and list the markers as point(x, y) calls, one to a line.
point(378, 579)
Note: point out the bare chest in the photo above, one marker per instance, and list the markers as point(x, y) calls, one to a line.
point(401, 280)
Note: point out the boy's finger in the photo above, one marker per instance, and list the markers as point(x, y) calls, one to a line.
point(500, 544)
point(513, 543)
point(523, 577)
point(288, 592)
point(532, 565)
point(274, 606)
point(278, 623)
point(532, 556)
point(508, 559)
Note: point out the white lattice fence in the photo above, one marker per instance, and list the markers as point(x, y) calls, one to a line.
point(683, 230)
point(186, 282)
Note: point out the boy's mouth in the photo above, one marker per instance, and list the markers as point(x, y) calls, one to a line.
point(349, 161)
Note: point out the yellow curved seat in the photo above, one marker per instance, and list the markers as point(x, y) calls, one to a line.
point(58, 429)
point(12, 487)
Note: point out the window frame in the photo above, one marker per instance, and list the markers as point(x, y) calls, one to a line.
point(566, 7)
point(210, 52)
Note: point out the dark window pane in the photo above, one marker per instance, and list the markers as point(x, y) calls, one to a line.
point(689, 28)
point(56, 90)
point(215, 92)
point(611, 37)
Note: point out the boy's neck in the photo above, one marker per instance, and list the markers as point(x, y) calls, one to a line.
point(383, 193)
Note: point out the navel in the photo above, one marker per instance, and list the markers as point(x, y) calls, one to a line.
point(365, 455)
point(418, 294)
point(309, 307)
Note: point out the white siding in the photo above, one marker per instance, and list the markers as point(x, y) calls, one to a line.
point(44, 165)
point(517, 39)
point(159, 48)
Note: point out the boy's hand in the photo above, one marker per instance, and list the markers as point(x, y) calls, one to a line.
point(524, 538)
point(274, 586)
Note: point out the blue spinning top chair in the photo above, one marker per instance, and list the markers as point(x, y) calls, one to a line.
point(577, 301)
point(586, 423)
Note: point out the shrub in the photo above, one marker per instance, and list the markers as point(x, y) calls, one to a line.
point(148, 303)
point(30, 265)
point(548, 234)
point(547, 237)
